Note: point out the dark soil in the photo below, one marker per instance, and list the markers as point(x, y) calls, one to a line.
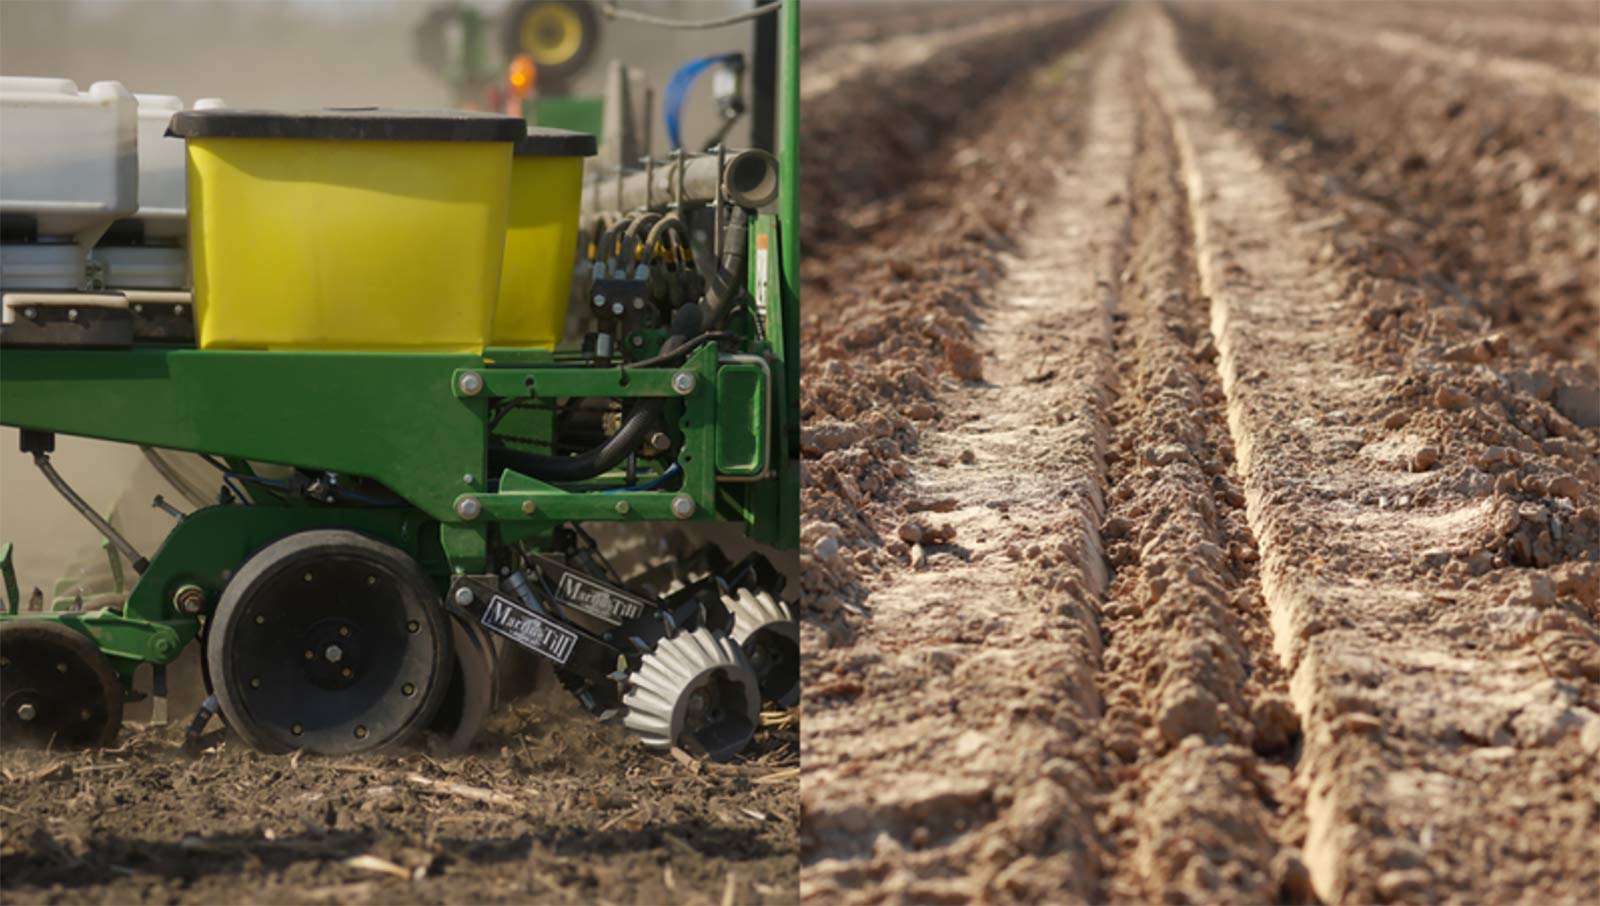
point(551, 807)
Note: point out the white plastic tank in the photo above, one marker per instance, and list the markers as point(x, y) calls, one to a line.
point(162, 193)
point(146, 251)
point(68, 158)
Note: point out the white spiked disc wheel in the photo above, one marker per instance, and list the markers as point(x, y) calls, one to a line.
point(766, 629)
point(695, 690)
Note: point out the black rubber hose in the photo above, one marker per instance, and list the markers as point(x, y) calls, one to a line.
point(638, 424)
point(722, 289)
point(725, 285)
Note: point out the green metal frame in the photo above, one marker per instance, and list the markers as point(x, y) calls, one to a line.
point(408, 420)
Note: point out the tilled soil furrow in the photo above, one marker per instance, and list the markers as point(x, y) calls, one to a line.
point(1446, 678)
point(1572, 47)
point(1522, 74)
point(870, 138)
point(1194, 697)
point(906, 47)
point(1492, 192)
point(950, 753)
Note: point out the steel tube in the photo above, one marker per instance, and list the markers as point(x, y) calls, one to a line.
point(750, 179)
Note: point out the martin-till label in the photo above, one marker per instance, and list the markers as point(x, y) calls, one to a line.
point(528, 629)
point(596, 600)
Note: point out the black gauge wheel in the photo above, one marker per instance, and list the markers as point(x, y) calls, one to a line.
point(331, 642)
point(56, 688)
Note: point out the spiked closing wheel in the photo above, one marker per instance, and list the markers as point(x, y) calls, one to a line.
point(694, 690)
point(770, 636)
point(56, 688)
point(329, 641)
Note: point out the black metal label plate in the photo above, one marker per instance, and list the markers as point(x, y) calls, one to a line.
point(538, 634)
point(588, 595)
point(595, 599)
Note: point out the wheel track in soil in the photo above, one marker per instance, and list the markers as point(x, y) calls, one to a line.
point(922, 787)
point(935, 801)
point(1198, 727)
point(1395, 799)
point(1423, 745)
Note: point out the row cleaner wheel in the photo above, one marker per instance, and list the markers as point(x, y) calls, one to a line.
point(696, 690)
point(766, 629)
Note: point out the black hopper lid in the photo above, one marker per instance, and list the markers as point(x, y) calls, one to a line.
point(543, 142)
point(349, 124)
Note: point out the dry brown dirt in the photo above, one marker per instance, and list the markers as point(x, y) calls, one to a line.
point(1202, 487)
point(550, 807)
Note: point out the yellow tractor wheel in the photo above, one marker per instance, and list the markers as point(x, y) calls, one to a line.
point(558, 35)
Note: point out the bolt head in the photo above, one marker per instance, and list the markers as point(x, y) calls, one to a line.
point(599, 300)
point(468, 508)
point(528, 507)
point(72, 314)
point(26, 711)
point(189, 599)
point(683, 382)
point(683, 506)
point(464, 596)
point(468, 478)
point(622, 507)
point(470, 383)
point(617, 308)
point(333, 653)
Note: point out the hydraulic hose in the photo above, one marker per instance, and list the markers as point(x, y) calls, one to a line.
point(137, 560)
point(725, 284)
point(689, 322)
point(638, 424)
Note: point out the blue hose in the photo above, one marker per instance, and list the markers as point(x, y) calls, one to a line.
point(677, 93)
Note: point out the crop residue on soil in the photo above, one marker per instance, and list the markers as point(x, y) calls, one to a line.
point(551, 807)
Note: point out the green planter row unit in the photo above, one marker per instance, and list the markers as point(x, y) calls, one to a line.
point(397, 490)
